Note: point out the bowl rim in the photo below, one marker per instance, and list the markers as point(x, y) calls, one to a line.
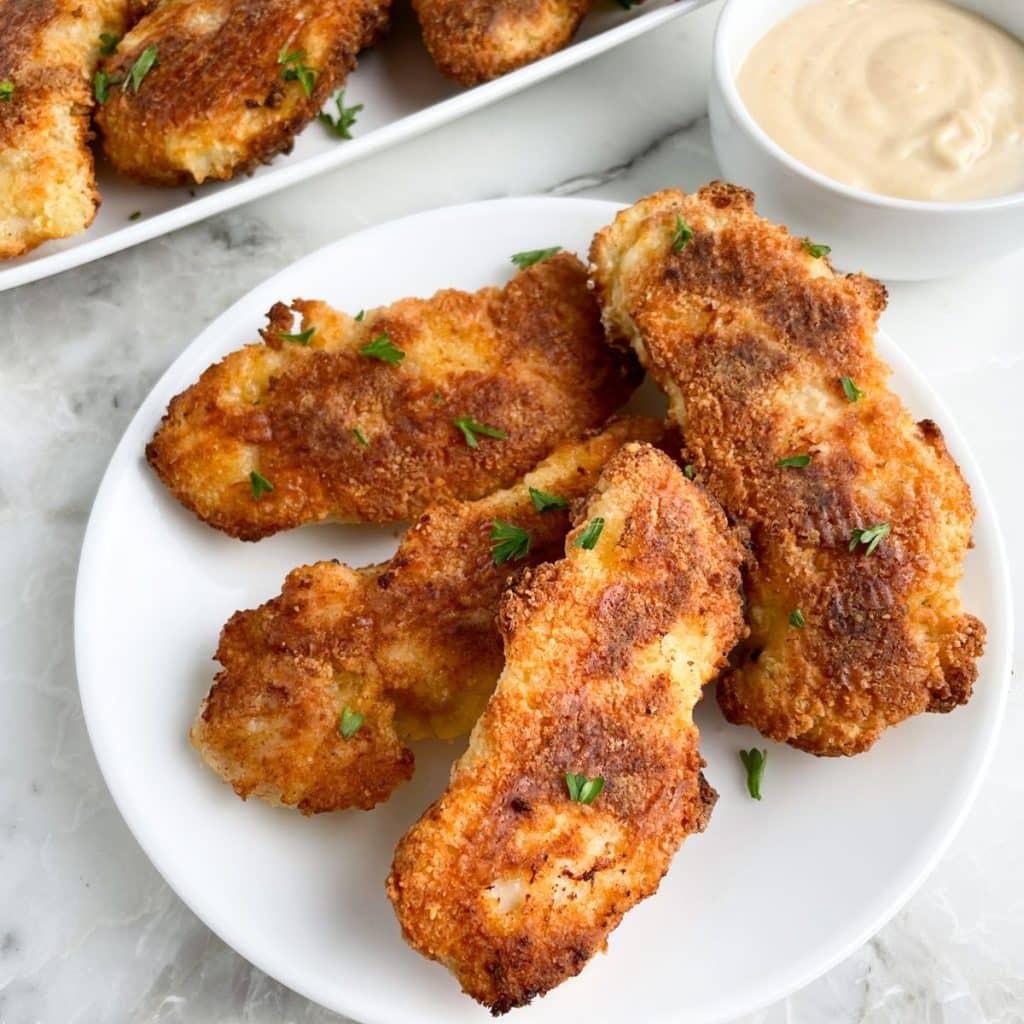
point(726, 82)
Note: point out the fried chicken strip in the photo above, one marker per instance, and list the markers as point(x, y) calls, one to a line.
point(506, 880)
point(411, 645)
point(766, 354)
point(474, 41)
point(48, 52)
point(233, 83)
point(341, 435)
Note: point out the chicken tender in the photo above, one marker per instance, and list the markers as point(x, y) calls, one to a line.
point(515, 877)
point(859, 518)
point(411, 646)
point(465, 394)
point(227, 84)
point(474, 41)
point(48, 52)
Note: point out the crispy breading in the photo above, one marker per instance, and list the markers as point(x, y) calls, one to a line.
point(529, 360)
point(223, 97)
point(474, 41)
point(48, 52)
point(505, 880)
point(412, 645)
point(751, 336)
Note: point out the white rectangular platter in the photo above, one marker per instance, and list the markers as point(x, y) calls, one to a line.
point(402, 94)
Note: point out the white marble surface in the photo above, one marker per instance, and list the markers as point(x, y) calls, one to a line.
point(88, 931)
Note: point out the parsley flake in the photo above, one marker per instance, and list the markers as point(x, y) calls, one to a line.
point(815, 251)
point(872, 536)
point(142, 67)
point(136, 215)
point(6, 89)
point(108, 44)
point(470, 428)
point(302, 338)
point(589, 537)
point(260, 485)
point(850, 389)
point(795, 461)
point(384, 349)
point(512, 542)
point(351, 722)
point(688, 471)
point(101, 85)
point(796, 619)
point(361, 315)
point(340, 125)
point(522, 260)
point(754, 761)
point(297, 70)
point(683, 235)
point(583, 790)
point(544, 502)
point(360, 437)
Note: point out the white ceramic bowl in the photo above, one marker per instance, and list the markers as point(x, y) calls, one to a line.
point(900, 239)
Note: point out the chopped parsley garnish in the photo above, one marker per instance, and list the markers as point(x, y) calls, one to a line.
point(815, 251)
point(796, 619)
point(108, 44)
point(6, 89)
point(136, 215)
point(343, 122)
point(302, 338)
point(470, 428)
point(351, 722)
point(544, 502)
point(437, 397)
point(796, 461)
point(361, 315)
point(688, 471)
point(754, 761)
point(101, 85)
point(591, 532)
point(872, 536)
point(683, 235)
point(850, 389)
point(511, 542)
point(384, 349)
point(522, 260)
point(583, 790)
point(360, 437)
point(142, 67)
point(260, 485)
point(297, 70)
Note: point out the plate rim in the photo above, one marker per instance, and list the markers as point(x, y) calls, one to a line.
point(243, 190)
point(894, 355)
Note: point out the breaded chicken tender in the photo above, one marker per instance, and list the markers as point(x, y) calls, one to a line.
point(48, 52)
point(228, 83)
point(515, 877)
point(474, 41)
point(858, 517)
point(466, 392)
point(412, 646)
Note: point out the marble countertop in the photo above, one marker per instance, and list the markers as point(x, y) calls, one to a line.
point(88, 930)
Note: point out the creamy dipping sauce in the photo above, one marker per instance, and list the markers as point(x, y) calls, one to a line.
point(913, 98)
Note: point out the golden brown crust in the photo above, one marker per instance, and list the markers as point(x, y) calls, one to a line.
point(48, 51)
point(506, 881)
point(751, 337)
point(216, 104)
point(529, 359)
point(412, 645)
point(474, 41)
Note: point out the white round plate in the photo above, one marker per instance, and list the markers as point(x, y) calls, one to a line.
point(770, 897)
